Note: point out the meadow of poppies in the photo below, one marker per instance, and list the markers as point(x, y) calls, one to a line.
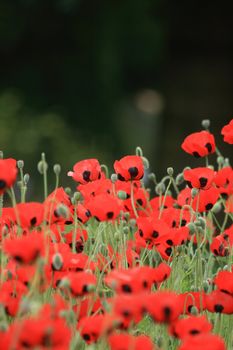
point(122, 261)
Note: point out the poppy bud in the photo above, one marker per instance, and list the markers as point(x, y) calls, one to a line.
point(20, 164)
point(26, 179)
point(125, 230)
point(122, 195)
point(194, 192)
point(57, 262)
point(76, 197)
point(1, 154)
point(114, 178)
point(68, 191)
point(170, 171)
point(225, 267)
point(62, 211)
point(205, 123)
point(152, 177)
point(160, 188)
point(217, 208)
point(117, 236)
point(194, 311)
point(132, 223)
point(192, 228)
point(220, 160)
point(57, 169)
point(64, 283)
point(226, 162)
point(42, 166)
point(200, 222)
point(179, 179)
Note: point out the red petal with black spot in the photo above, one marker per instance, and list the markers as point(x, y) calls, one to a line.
point(190, 299)
point(104, 207)
point(227, 132)
point(224, 281)
point(199, 177)
point(203, 341)
point(8, 173)
point(25, 249)
point(80, 283)
point(30, 214)
point(205, 200)
point(199, 144)
point(129, 168)
point(85, 171)
point(190, 326)
point(219, 302)
point(164, 306)
point(224, 180)
point(95, 188)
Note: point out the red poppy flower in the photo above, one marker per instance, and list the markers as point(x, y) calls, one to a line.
point(190, 326)
point(219, 302)
point(8, 173)
point(227, 132)
point(25, 249)
point(224, 281)
point(134, 280)
point(30, 214)
point(11, 293)
point(128, 307)
point(55, 199)
point(220, 246)
point(205, 199)
point(80, 283)
point(224, 180)
point(42, 332)
point(104, 207)
point(86, 170)
point(175, 217)
point(127, 341)
point(95, 188)
point(83, 213)
point(164, 306)
point(129, 168)
point(199, 177)
point(203, 341)
point(92, 327)
point(88, 306)
point(192, 299)
point(80, 239)
point(151, 229)
point(199, 144)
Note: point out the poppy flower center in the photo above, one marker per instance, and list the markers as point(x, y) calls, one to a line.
point(2, 184)
point(86, 175)
point(203, 181)
point(218, 308)
point(133, 172)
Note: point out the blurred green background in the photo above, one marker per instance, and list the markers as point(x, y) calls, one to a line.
point(94, 79)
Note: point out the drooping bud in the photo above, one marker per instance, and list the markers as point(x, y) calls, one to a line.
point(20, 164)
point(57, 169)
point(170, 171)
point(114, 178)
point(122, 195)
point(205, 123)
point(57, 262)
point(160, 188)
point(26, 179)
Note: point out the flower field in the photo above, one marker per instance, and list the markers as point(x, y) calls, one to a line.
point(121, 261)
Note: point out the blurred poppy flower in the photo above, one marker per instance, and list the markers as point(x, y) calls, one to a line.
point(219, 302)
point(8, 173)
point(199, 144)
point(190, 326)
point(227, 132)
point(129, 168)
point(224, 281)
point(203, 341)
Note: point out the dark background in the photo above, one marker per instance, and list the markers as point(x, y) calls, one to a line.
point(94, 79)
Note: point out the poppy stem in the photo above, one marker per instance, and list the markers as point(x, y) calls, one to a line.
point(1, 204)
point(132, 199)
